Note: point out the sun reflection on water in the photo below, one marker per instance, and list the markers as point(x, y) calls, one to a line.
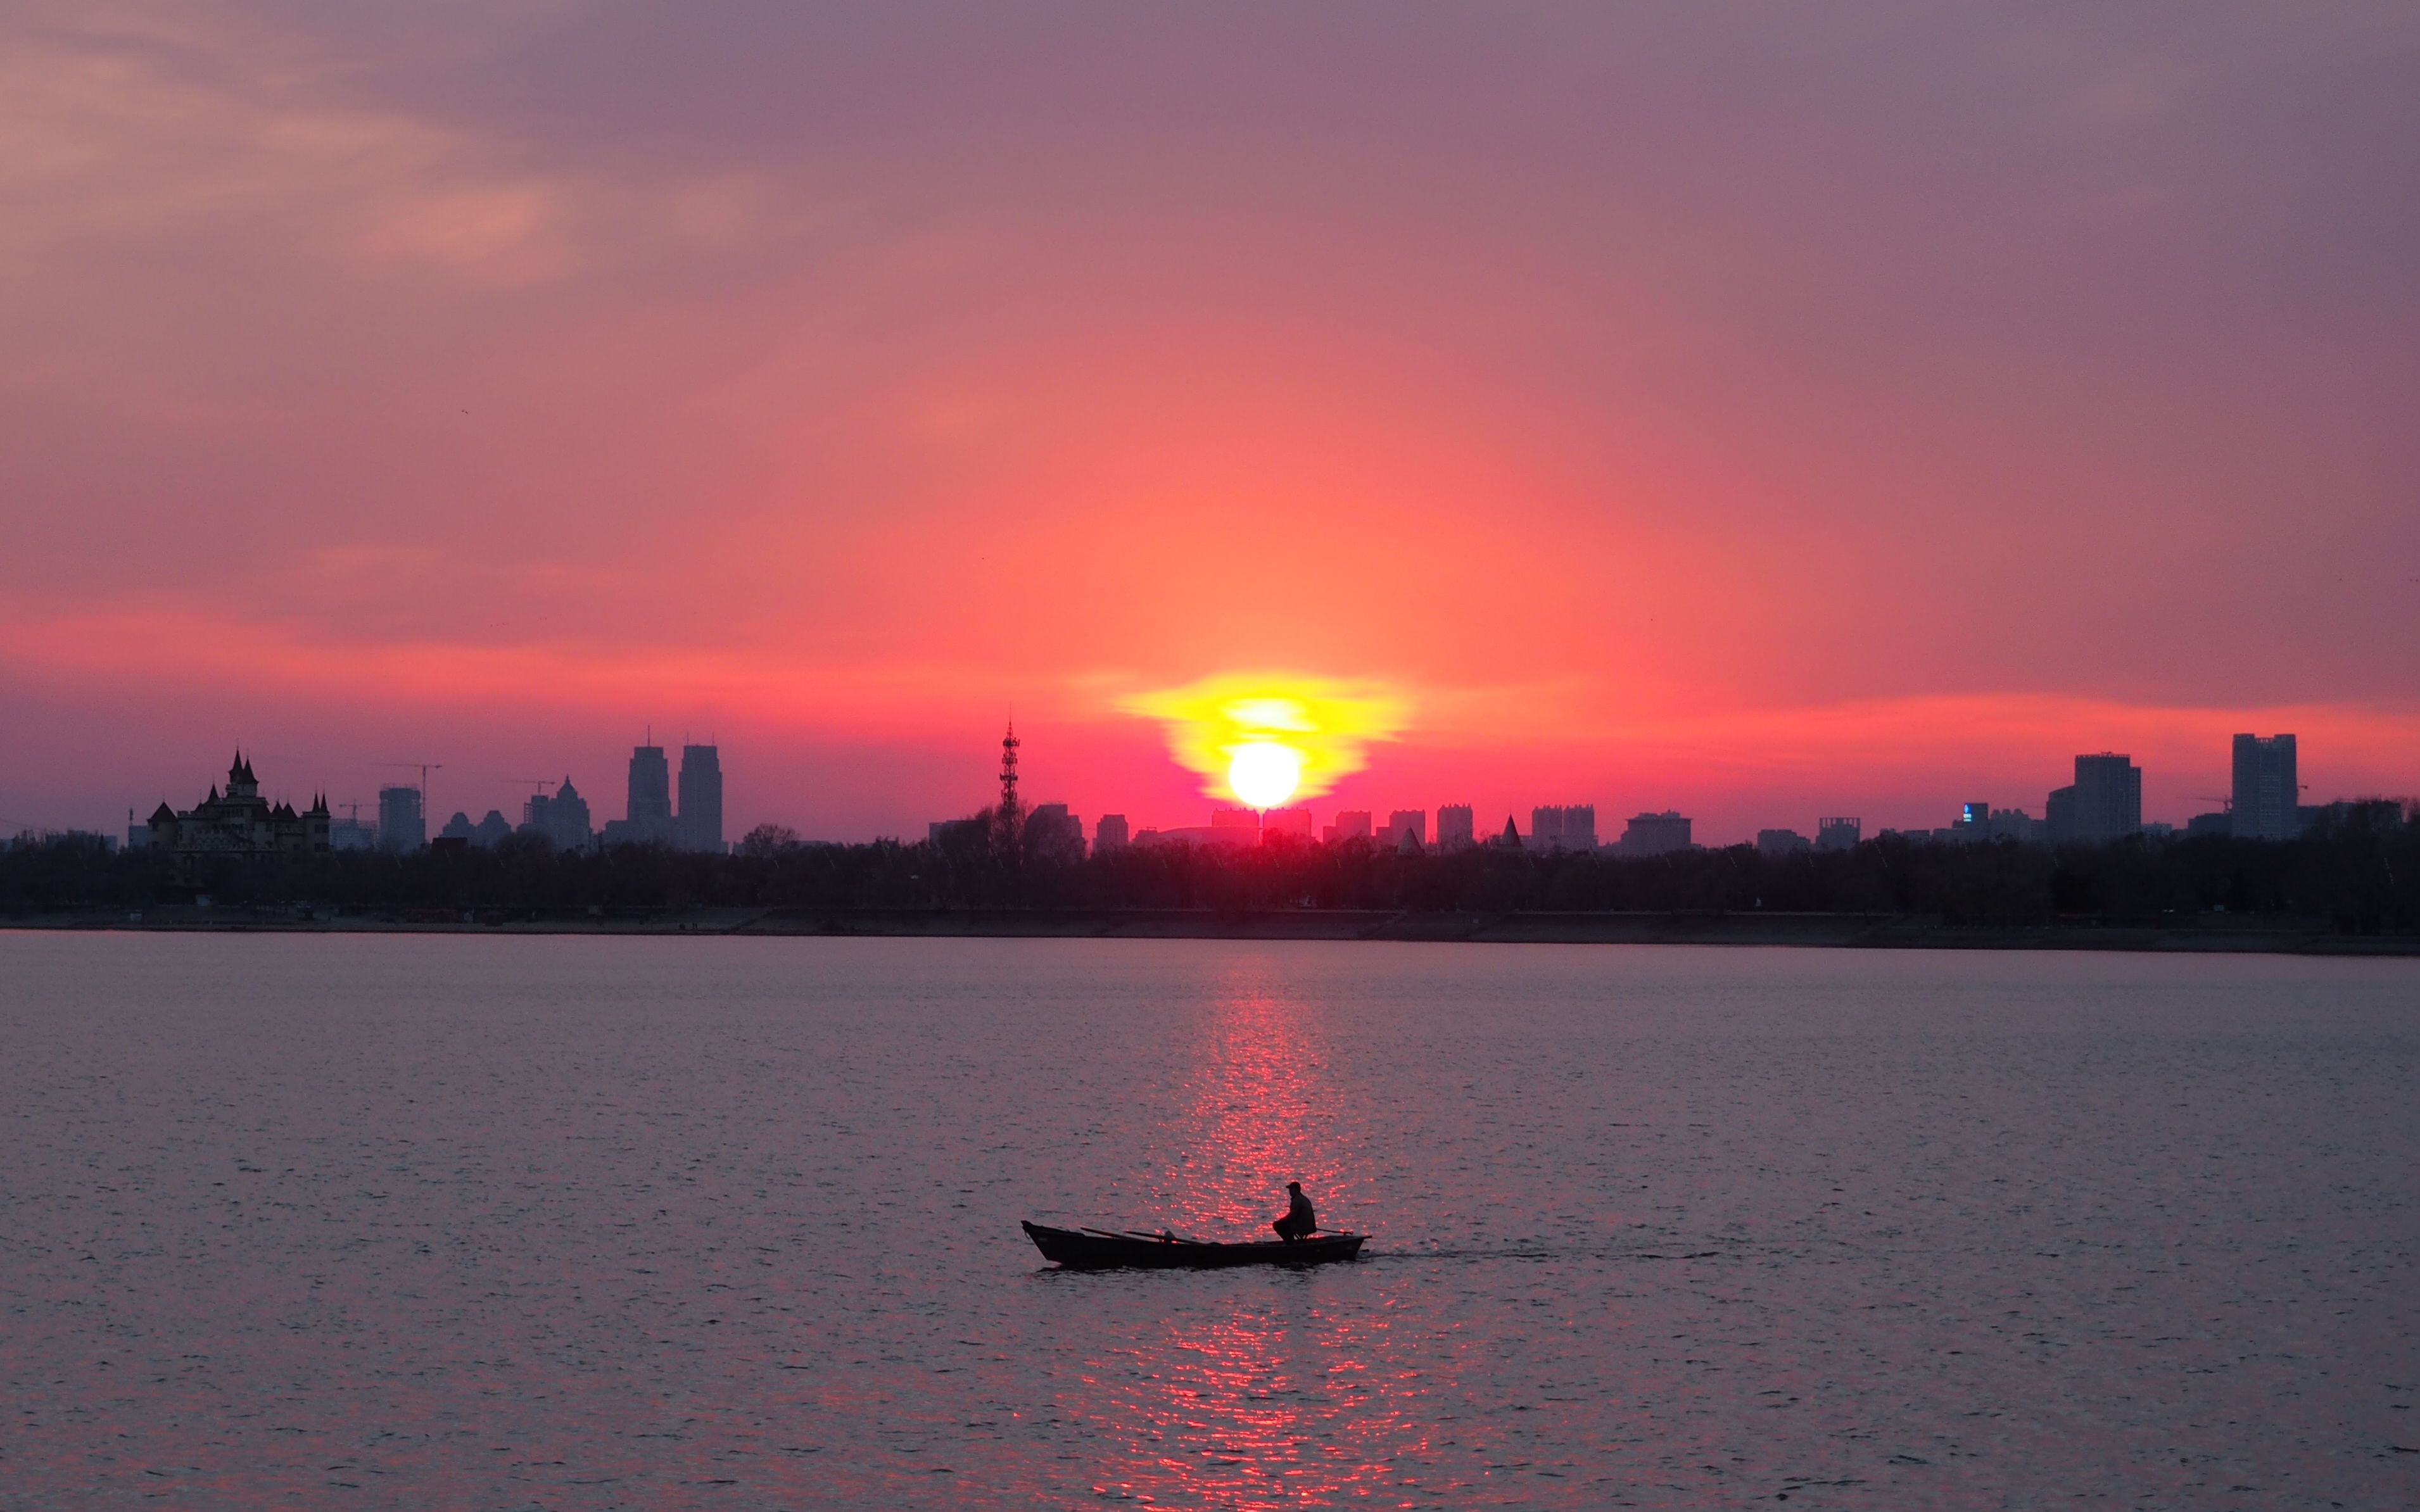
point(1260, 1388)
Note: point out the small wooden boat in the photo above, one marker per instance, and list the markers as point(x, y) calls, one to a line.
point(1098, 1249)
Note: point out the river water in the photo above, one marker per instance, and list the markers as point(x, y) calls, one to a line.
point(584, 1223)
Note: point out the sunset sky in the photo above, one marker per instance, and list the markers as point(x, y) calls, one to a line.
point(1761, 411)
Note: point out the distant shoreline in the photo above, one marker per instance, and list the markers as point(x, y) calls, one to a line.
point(2242, 934)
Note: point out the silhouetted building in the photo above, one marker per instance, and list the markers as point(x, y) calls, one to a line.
point(2058, 815)
point(352, 833)
point(1655, 833)
point(1351, 823)
point(647, 812)
point(1212, 834)
point(1840, 833)
point(1782, 842)
point(1564, 828)
point(2356, 816)
point(1290, 821)
point(2266, 794)
point(1455, 832)
point(963, 838)
point(1510, 837)
point(2013, 823)
point(2104, 804)
point(239, 822)
point(1236, 821)
point(1052, 834)
point(2219, 822)
point(485, 834)
point(562, 818)
point(699, 823)
point(1405, 822)
point(401, 826)
point(1110, 833)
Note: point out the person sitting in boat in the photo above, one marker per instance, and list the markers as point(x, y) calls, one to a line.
point(1299, 1220)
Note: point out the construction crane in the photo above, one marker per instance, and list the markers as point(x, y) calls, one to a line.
point(424, 768)
point(537, 786)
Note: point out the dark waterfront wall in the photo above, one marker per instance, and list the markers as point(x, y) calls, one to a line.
point(2356, 875)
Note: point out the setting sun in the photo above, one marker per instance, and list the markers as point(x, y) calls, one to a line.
point(1263, 773)
point(1266, 737)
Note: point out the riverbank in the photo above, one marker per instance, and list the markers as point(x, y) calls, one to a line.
point(2202, 934)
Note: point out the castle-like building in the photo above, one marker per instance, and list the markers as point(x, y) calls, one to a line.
point(239, 822)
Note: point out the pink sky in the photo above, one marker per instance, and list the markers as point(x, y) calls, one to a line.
point(1762, 412)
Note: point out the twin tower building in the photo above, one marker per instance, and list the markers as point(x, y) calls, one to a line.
point(651, 819)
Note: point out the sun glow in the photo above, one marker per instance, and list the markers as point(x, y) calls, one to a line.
point(1263, 773)
point(1263, 738)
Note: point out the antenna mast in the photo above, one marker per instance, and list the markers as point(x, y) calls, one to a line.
point(1008, 820)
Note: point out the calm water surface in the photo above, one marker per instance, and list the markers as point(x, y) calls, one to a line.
point(621, 1223)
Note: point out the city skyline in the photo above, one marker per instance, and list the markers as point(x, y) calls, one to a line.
point(1758, 415)
point(2104, 803)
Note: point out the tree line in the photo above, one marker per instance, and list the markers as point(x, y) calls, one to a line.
point(2358, 872)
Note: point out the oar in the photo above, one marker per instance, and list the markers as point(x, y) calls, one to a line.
point(1137, 1233)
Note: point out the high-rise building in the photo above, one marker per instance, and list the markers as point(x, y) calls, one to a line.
point(1110, 833)
point(2011, 823)
point(1777, 842)
point(1293, 822)
point(1351, 823)
point(2266, 790)
point(1838, 833)
point(400, 825)
point(1655, 833)
point(1561, 827)
point(649, 806)
point(1580, 827)
point(2058, 815)
point(2105, 804)
point(1403, 822)
point(1455, 832)
point(647, 811)
point(562, 818)
point(1053, 834)
point(700, 823)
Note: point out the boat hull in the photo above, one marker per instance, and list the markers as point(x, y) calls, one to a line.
point(1079, 1251)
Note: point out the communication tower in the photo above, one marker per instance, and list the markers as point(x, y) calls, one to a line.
point(1008, 820)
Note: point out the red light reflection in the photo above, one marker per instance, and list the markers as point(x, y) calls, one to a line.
point(1261, 1388)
